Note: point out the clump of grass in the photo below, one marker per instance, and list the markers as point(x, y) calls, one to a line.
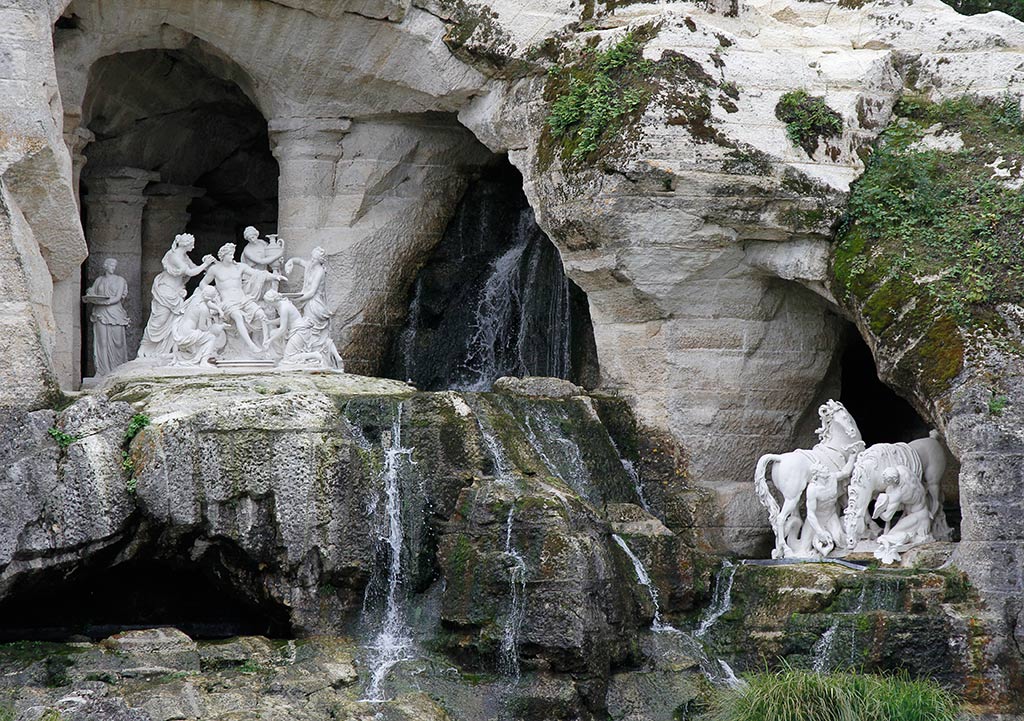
point(799, 695)
point(997, 404)
point(808, 119)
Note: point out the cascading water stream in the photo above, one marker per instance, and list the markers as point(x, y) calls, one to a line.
point(509, 658)
point(825, 648)
point(645, 580)
point(717, 671)
point(721, 599)
point(393, 640)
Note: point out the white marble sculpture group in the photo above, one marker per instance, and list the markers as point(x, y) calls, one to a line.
point(236, 316)
point(840, 476)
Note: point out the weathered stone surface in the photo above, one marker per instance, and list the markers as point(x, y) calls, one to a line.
point(538, 387)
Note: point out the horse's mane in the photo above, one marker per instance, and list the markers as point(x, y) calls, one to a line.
point(827, 413)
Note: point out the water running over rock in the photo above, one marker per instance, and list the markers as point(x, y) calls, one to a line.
point(493, 300)
point(721, 600)
point(393, 640)
point(509, 657)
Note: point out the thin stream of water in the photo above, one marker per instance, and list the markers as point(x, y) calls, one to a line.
point(393, 641)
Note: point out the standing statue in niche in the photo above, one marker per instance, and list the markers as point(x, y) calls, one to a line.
point(313, 299)
point(109, 319)
point(169, 297)
point(261, 254)
point(238, 307)
point(791, 472)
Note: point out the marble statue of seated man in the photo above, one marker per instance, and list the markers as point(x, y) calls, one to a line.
point(903, 493)
point(242, 310)
point(199, 333)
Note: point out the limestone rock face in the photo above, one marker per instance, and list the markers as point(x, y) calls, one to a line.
point(284, 489)
point(698, 230)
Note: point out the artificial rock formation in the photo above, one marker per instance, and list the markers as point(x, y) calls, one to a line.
point(698, 229)
point(284, 489)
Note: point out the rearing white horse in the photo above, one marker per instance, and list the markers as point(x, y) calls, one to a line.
point(791, 472)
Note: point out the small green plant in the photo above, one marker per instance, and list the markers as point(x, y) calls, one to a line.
point(597, 93)
point(997, 404)
point(63, 439)
point(251, 666)
point(799, 695)
point(807, 119)
point(136, 424)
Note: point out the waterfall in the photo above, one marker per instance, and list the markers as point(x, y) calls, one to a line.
point(824, 648)
point(630, 468)
point(721, 598)
point(516, 306)
point(509, 658)
point(645, 581)
point(492, 299)
point(560, 455)
point(718, 671)
point(393, 641)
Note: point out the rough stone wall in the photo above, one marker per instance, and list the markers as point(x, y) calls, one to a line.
point(691, 240)
point(40, 235)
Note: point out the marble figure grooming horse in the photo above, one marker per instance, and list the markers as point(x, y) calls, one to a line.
point(922, 457)
point(791, 472)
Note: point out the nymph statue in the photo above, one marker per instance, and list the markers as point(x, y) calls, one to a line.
point(261, 254)
point(169, 297)
point(238, 307)
point(109, 318)
point(293, 335)
point(199, 333)
point(315, 311)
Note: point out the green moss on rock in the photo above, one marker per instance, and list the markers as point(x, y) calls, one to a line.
point(930, 246)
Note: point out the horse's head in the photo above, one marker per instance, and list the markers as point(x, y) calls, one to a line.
point(858, 496)
point(837, 425)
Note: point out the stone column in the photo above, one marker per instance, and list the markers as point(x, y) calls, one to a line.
point(165, 216)
point(308, 151)
point(113, 229)
point(67, 313)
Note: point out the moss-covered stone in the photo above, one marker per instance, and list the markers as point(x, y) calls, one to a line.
point(929, 248)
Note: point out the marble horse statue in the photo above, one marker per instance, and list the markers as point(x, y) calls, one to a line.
point(839, 440)
point(923, 457)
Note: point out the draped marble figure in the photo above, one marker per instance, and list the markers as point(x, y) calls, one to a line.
point(315, 310)
point(109, 319)
point(168, 295)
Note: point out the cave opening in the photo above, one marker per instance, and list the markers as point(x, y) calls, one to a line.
point(883, 416)
point(97, 603)
point(176, 146)
point(493, 299)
